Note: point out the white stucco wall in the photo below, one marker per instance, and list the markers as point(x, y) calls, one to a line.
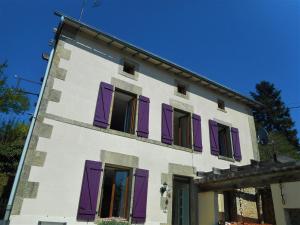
point(70, 145)
point(291, 197)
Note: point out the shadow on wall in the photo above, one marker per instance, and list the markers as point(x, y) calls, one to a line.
point(87, 43)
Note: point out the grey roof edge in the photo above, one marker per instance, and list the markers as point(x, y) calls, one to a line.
point(249, 101)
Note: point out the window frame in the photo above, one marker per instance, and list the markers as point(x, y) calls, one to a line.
point(191, 128)
point(130, 190)
point(231, 144)
point(177, 93)
point(134, 76)
point(221, 102)
point(112, 107)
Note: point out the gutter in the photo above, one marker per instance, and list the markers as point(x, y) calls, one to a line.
point(28, 138)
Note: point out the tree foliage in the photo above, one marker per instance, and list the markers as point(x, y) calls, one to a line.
point(12, 136)
point(11, 99)
point(281, 146)
point(274, 116)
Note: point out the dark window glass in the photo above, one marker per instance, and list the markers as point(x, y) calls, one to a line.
point(124, 112)
point(221, 104)
point(181, 89)
point(224, 141)
point(182, 128)
point(128, 68)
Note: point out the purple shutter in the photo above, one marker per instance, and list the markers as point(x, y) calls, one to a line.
point(143, 117)
point(89, 191)
point(213, 135)
point(103, 105)
point(197, 133)
point(236, 144)
point(140, 196)
point(167, 124)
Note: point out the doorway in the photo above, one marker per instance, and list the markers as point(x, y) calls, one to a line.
point(181, 201)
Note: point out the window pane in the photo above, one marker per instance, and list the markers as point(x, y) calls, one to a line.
point(121, 181)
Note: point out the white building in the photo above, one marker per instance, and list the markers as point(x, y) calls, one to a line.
point(115, 125)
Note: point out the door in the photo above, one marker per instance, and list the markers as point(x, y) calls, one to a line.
point(181, 201)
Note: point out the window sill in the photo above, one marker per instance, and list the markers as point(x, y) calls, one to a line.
point(178, 147)
point(114, 132)
point(222, 110)
point(129, 75)
point(226, 158)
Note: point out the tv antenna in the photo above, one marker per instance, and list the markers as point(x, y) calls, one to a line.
point(96, 3)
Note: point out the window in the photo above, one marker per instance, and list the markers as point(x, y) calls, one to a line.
point(224, 141)
point(115, 191)
point(221, 104)
point(181, 89)
point(182, 128)
point(128, 68)
point(124, 112)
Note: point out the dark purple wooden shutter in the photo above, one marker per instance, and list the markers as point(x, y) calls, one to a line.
point(103, 105)
point(89, 191)
point(236, 144)
point(213, 135)
point(167, 124)
point(143, 117)
point(140, 196)
point(197, 133)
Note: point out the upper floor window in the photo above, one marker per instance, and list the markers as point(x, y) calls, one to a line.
point(181, 89)
point(176, 128)
point(221, 104)
point(182, 128)
point(128, 68)
point(224, 140)
point(123, 112)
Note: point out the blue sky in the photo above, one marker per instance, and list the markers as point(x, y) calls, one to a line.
point(236, 43)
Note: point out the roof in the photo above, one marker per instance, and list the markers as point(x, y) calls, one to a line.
point(154, 59)
point(256, 174)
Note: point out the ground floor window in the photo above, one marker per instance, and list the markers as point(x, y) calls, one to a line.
point(115, 192)
point(181, 201)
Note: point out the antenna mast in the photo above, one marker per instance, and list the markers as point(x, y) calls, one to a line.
point(96, 3)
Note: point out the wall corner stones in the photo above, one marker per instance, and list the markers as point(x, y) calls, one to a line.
point(34, 157)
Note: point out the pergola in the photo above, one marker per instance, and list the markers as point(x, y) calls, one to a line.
point(256, 174)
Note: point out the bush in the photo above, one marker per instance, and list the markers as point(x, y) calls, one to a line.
point(113, 221)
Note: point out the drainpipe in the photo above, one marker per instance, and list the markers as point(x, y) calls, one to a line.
point(26, 145)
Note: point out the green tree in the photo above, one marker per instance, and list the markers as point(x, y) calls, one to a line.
point(12, 136)
point(280, 145)
point(11, 99)
point(274, 116)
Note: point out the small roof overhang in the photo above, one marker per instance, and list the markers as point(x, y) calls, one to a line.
point(257, 174)
point(155, 60)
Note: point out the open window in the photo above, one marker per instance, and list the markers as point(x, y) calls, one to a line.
point(124, 112)
point(224, 140)
point(116, 193)
point(182, 128)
